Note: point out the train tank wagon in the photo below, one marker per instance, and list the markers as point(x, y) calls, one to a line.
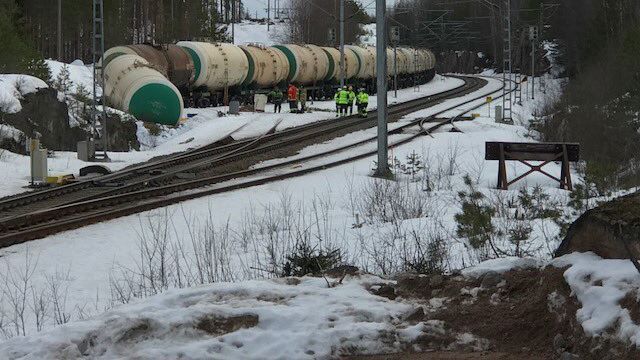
point(218, 66)
point(268, 66)
point(171, 60)
point(133, 85)
point(307, 65)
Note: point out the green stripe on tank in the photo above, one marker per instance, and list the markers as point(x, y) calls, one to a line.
point(332, 66)
point(359, 61)
point(293, 65)
point(110, 58)
point(252, 68)
point(157, 103)
point(197, 64)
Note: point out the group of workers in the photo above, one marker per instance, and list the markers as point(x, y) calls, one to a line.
point(295, 95)
point(344, 97)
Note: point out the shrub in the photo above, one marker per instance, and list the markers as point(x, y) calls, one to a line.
point(474, 223)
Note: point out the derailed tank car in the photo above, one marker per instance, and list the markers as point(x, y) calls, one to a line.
point(207, 74)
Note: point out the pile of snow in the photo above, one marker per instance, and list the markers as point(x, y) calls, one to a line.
point(296, 319)
point(600, 284)
point(369, 35)
point(79, 73)
point(501, 265)
point(14, 87)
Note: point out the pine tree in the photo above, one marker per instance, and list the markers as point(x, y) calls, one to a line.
point(38, 68)
point(62, 82)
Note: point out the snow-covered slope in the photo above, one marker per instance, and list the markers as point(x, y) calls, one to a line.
point(14, 87)
point(79, 73)
point(280, 319)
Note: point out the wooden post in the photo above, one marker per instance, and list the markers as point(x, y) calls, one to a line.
point(502, 170)
point(566, 170)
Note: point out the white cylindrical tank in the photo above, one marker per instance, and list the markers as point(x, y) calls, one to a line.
point(351, 63)
point(410, 59)
point(320, 62)
point(390, 60)
point(268, 66)
point(303, 64)
point(366, 60)
point(217, 65)
point(133, 86)
point(333, 71)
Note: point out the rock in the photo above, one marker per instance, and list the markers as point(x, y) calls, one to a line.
point(604, 229)
point(44, 114)
point(218, 325)
point(386, 291)
point(490, 279)
point(342, 270)
point(416, 315)
point(568, 356)
point(559, 342)
point(436, 281)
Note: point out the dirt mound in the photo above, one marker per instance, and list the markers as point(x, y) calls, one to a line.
point(521, 314)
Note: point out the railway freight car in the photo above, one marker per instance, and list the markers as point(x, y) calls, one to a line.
point(207, 74)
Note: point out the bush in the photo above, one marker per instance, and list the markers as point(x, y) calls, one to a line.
point(307, 260)
point(474, 223)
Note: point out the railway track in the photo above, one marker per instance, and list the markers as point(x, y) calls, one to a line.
point(156, 171)
point(148, 186)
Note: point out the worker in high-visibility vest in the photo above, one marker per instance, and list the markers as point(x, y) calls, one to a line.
point(343, 100)
point(335, 98)
point(352, 99)
point(362, 100)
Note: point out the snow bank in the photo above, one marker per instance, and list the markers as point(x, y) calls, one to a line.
point(304, 320)
point(600, 284)
point(501, 265)
point(14, 87)
point(79, 74)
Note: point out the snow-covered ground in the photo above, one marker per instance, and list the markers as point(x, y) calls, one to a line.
point(92, 257)
point(304, 318)
point(169, 326)
point(203, 128)
point(256, 33)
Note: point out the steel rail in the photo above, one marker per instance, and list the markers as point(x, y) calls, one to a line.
point(47, 222)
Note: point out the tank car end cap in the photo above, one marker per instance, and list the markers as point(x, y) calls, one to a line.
point(156, 103)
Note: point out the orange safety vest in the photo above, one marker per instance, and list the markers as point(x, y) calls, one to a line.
point(292, 93)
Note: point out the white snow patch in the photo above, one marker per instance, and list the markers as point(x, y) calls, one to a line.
point(13, 87)
point(501, 265)
point(599, 284)
point(342, 318)
point(79, 74)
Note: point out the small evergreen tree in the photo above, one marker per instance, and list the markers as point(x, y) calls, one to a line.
point(37, 67)
point(63, 82)
point(474, 223)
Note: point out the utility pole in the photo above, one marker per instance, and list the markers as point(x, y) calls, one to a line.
point(533, 36)
point(99, 118)
point(395, 38)
point(268, 13)
point(382, 170)
point(342, 69)
point(506, 61)
point(59, 30)
point(233, 21)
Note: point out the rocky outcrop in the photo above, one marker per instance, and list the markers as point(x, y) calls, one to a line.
point(607, 230)
point(42, 113)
